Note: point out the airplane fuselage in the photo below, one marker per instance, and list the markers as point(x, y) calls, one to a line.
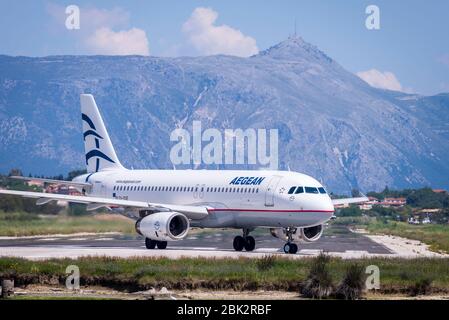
point(237, 199)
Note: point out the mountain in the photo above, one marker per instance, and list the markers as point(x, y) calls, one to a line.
point(332, 125)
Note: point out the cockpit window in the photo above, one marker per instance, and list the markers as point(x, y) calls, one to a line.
point(292, 190)
point(299, 190)
point(311, 190)
point(322, 191)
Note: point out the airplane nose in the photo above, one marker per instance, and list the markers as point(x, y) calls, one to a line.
point(329, 207)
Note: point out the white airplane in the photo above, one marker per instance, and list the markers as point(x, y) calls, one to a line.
point(166, 203)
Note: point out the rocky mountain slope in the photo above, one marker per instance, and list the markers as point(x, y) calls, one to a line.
point(331, 124)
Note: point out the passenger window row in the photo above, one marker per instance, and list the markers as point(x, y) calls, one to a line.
point(298, 190)
point(186, 189)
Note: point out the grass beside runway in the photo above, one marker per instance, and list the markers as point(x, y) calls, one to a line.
point(23, 224)
point(434, 235)
point(396, 275)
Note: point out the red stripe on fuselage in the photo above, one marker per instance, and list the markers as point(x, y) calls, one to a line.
point(262, 210)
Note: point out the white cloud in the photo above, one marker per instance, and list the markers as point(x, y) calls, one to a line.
point(382, 80)
point(103, 31)
point(100, 18)
point(91, 18)
point(208, 38)
point(106, 41)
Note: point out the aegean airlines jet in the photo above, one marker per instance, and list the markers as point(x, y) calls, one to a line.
point(167, 203)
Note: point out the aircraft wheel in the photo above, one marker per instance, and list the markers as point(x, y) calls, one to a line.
point(250, 243)
point(239, 243)
point(293, 248)
point(150, 244)
point(287, 247)
point(162, 245)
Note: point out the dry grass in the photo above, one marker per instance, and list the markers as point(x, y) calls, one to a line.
point(136, 274)
point(18, 224)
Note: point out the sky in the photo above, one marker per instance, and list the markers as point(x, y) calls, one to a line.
point(409, 51)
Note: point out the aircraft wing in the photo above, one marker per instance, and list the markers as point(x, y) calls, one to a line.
point(52, 181)
point(349, 200)
point(93, 203)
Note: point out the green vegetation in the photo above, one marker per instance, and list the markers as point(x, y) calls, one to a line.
point(353, 283)
point(421, 287)
point(437, 236)
point(18, 204)
point(388, 193)
point(397, 275)
point(57, 298)
point(418, 198)
point(266, 262)
point(393, 220)
point(26, 224)
point(426, 198)
point(352, 211)
point(318, 284)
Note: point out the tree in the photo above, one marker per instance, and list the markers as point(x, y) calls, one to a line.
point(15, 172)
point(384, 212)
point(355, 193)
point(352, 211)
point(75, 173)
point(426, 198)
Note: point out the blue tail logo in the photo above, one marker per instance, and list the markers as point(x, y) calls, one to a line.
point(95, 152)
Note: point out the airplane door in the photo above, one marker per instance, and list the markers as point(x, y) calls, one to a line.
point(103, 190)
point(269, 194)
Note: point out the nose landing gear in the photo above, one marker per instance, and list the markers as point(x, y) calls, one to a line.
point(244, 242)
point(290, 247)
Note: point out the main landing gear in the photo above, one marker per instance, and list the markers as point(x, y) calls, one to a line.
point(152, 244)
point(290, 247)
point(244, 242)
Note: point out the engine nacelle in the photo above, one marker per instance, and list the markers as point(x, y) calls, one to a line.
point(310, 234)
point(163, 226)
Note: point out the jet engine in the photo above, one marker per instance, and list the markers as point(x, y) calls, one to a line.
point(163, 226)
point(309, 234)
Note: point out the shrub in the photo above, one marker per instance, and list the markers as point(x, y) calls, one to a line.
point(351, 287)
point(266, 262)
point(421, 287)
point(318, 284)
point(352, 211)
point(77, 209)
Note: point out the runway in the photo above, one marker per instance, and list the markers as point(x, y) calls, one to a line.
point(203, 244)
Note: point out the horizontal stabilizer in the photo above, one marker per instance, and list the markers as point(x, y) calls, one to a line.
point(52, 181)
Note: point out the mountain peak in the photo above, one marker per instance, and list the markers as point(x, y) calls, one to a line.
point(295, 48)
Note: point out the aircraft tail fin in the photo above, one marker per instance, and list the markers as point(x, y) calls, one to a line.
point(100, 154)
